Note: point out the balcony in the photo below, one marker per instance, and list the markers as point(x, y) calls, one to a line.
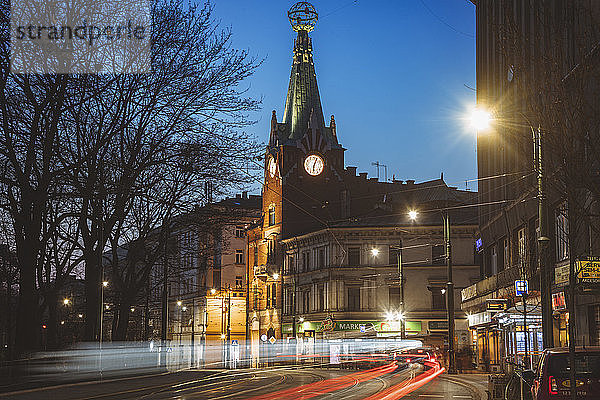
point(500, 280)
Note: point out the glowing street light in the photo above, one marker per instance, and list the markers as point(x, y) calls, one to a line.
point(481, 119)
point(389, 316)
point(213, 291)
point(66, 302)
point(374, 252)
point(179, 303)
point(301, 319)
point(184, 308)
point(413, 214)
point(275, 276)
point(132, 309)
point(223, 336)
point(105, 283)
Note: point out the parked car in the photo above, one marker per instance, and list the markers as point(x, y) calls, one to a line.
point(552, 375)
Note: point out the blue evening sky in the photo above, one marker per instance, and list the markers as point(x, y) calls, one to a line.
point(393, 72)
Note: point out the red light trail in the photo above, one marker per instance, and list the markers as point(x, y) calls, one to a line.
point(329, 385)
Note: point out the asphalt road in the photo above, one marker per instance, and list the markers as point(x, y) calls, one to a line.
point(382, 383)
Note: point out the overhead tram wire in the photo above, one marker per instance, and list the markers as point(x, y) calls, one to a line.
point(406, 190)
point(327, 226)
point(471, 36)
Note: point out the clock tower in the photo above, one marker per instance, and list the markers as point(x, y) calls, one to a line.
point(303, 186)
point(304, 161)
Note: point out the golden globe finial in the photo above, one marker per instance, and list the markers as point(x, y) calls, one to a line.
point(303, 16)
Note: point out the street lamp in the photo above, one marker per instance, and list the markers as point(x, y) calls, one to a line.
point(413, 214)
point(275, 276)
point(66, 302)
point(213, 291)
point(481, 119)
point(374, 252)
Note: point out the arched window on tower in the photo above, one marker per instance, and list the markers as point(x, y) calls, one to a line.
point(271, 215)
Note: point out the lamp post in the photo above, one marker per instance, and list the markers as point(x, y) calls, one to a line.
point(449, 287)
point(481, 120)
point(449, 294)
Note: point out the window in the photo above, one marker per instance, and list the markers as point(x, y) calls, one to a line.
point(239, 281)
point(239, 256)
point(320, 298)
point(268, 296)
point(506, 255)
point(305, 261)
point(255, 297)
point(353, 299)
point(291, 266)
point(394, 293)
point(255, 255)
point(393, 253)
point(272, 215)
point(562, 232)
point(322, 258)
point(270, 251)
point(438, 299)
point(289, 301)
point(353, 255)
point(239, 232)
point(305, 301)
point(438, 255)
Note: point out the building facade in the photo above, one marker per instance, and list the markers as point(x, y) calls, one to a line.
point(531, 55)
point(207, 283)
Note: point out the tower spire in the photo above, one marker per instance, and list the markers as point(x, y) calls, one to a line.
point(303, 93)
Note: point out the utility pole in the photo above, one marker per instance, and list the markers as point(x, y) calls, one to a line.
point(543, 242)
point(526, 362)
point(192, 349)
point(449, 294)
point(229, 327)
point(401, 277)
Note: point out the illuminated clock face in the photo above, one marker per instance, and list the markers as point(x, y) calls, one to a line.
point(313, 164)
point(272, 167)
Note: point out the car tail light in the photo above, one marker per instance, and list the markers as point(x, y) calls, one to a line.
point(408, 360)
point(553, 386)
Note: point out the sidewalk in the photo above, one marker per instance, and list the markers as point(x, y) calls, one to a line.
point(477, 383)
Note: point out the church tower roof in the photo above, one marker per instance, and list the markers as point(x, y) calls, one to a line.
point(303, 103)
point(303, 93)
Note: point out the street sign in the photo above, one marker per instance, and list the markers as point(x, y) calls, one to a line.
point(234, 342)
point(263, 337)
point(588, 270)
point(363, 328)
point(561, 275)
point(496, 304)
point(272, 340)
point(521, 288)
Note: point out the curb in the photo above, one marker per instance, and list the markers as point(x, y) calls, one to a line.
point(477, 393)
